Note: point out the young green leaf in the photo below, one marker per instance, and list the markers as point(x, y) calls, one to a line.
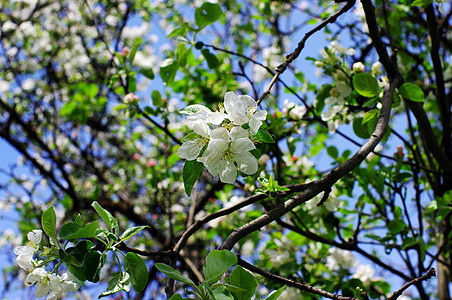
point(370, 115)
point(212, 60)
point(191, 172)
point(218, 262)
point(130, 232)
point(147, 72)
point(245, 280)
point(207, 14)
point(412, 92)
point(75, 231)
point(168, 70)
point(48, 222)
point(136, 267)
point(174, 274)
point(366, 85)
point(156, 98)
point(105, 215)
point(92, 264)
point(133, 52)
point(274, 295)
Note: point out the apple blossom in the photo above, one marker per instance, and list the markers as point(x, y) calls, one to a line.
point(25, 253)
point(227, 152)
point(242, 109)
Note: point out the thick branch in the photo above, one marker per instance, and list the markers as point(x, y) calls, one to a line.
point(325, 183)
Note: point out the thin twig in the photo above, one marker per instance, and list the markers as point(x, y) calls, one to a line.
point(427, 276)
point(291, 57)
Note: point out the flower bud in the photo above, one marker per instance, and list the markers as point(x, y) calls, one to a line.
point(358, 67)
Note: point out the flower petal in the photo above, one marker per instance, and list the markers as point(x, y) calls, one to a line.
point(238, 132)
point(228, 173)
point(256, 121)
point(220, 134)
point(247, 163)
point(242, 145)
point(190, 149)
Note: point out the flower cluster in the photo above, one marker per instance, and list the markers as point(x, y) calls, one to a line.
point(45, 281)
point(224, 135)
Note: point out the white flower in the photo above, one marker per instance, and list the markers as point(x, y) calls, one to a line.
point(364, 273)
point(228, 151)
point(376, 68)
point(199, 122)
point(44, 283)
point(25, 253)
point(340, 259)
point(242, 109)
point(69, 283)
point(358, 67)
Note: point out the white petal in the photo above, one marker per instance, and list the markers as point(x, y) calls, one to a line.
point(190, 149)
point(24, 250)
point(220, 133)
point(25, 262)
point(41, 290)
point(202, 129)
point(248, 102)
point(242, 145)
point(216, 118)
point(229, 173)
point(229, 99)
point(247, 163)
point(35, 236)
point(238, 132)
point(256, 121)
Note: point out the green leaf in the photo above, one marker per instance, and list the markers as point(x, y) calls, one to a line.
point(48, 222)
point(371, 114)
point(275, 294)
point(132, 84)
point(412, 92)
point(168, 70)
point(133, 52)
point(245, 280)
point(222, 293)
point(263, 135)
point(332, 152)
point(421, 3)
point(366, 85)
point(119, 282)
point(322, 94)
point(147, 72)
point(217, 262)
point(174, 274)
point(212, 60)
point(131, 232)
point(207, 14)
point(78, 272)
point(360, 130)
point(256, 153)
point(92, 264)
point(395, 226)
point(105, 215)
point(75, 231)
point(156, 98)
point(209, 291)
point(136, 267)
point(192, 171)
point(121, 106)
point(176, 297)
